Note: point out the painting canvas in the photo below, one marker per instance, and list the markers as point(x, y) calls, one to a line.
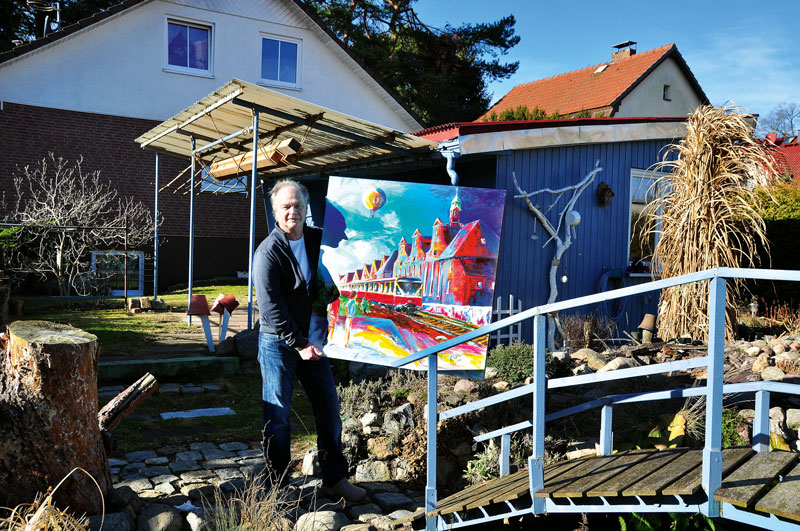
point(413, 265)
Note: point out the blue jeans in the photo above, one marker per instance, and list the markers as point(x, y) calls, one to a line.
point(280, 364)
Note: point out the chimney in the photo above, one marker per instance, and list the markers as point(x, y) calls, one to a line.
point(623, 49)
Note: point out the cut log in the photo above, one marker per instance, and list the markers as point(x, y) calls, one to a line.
point(48, 417)
point(124, 403)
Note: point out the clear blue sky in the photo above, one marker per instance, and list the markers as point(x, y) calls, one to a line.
point(741, 52)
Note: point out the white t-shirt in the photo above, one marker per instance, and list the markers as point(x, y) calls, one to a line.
point(299, 252)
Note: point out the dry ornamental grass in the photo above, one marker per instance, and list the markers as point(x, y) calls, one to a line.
point(708, 215)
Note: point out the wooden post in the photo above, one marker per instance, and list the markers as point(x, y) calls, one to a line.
point(48, 417)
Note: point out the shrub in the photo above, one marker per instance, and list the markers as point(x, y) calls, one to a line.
point(514, 362)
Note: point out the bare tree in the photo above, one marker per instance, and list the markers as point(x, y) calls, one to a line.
point(66, 213)
point(783, 120)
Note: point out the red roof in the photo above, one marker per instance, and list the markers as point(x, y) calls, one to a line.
point(590, 90)
point(787, 154)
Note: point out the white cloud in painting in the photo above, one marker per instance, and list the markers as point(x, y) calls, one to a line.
point(391, 220)
point(352, 234)
point(352, 255)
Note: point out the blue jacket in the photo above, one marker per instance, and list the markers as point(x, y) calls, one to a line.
point(284, 297)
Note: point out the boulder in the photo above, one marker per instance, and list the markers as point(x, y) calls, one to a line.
point(159, 517)
point(321, 521)
point(399, 419)
point(582, 354)
point(760, 363)
point(247, 343)
point(773, 374)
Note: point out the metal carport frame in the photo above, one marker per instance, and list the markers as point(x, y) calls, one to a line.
point(236, 118)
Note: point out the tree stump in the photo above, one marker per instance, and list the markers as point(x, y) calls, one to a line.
point(48, 417)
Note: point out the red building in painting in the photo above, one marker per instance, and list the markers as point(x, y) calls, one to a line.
point(455, 265)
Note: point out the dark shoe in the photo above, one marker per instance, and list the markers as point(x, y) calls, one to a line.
point(344, 489)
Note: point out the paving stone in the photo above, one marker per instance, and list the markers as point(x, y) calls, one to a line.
point(233, 447)
point(357, 511)
point(376, 487)
point(137, 483)
point(112, 461)
point(156, 461)
point(198, 446)
point(211, 387)
point(226, 474)
point(171, 449)
point(169, 388)
point(153, 471)
point(166, 478)
point(215, 453)
point(392, 501)
point(220, 463)
point(133, 468)
point(196, 476)
point(135, 457)
point(165, 488)
point(114, 469)
point(178, 467)
point(198, 492)
point(188, 456)
point(232, 486)
point(254, 461)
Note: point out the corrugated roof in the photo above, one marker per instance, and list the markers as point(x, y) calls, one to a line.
point(587, 89)
point(328, 137)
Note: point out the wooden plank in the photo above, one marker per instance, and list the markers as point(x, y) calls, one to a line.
point(693, 482)
point(626, 460)
point(783, 500)
point(754, 477)
point(459, 501)
point(584, 468)
point(508, 491)
point(653, 484)
point(615, 485)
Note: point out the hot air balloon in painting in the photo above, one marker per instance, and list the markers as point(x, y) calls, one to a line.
point(374, 198)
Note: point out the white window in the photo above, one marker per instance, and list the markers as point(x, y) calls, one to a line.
point(280, 61)
point(189, 47)
point(234, 185)
point(645, 187)
point(109, 272)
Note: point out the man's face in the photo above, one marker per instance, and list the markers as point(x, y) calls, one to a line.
point(290, 210)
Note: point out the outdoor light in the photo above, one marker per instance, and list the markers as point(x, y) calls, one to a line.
point(564, 279)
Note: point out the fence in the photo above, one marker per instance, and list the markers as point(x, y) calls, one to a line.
point(513, 332)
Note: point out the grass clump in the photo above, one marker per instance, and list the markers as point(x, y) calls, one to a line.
point(259, 506)
point(514, 362)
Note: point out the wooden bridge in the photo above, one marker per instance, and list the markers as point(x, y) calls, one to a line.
point(750, 485)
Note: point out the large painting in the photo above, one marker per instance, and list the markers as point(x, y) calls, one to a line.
point(414, 265)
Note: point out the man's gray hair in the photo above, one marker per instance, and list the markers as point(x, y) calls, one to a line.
point(283, 183)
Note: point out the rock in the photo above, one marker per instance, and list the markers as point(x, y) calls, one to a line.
point(137, 483)
point(311, 464)
point(595, 361)
point(793, 419)
point(159, 517)
point(529, 380)
point(196, 476)
point(760, 343)
point(227, 347)
point(156, 461)
point(794, 346)
point(358, 527)
point(454, 399)
point(767, 350)
point(772, 374)
point(370, 419)
point(200, 522)
point(777, 414)
point(753, 351)
point(357, 511)
point(760, 363)
point(215, 453)
point(580, 369)
point(501, 386)
point(321, 521)
point(401, 470)
point(747, 414)
point(489, 373)
point(188, 456)
point(464, 387)
point(247, 343)
point(153, 471)
point(165, 488)
point(560, 356)
point(581, 447)
point(400, 514)
point(123, 521)
point(776, 427)
point(381, 448)
point(617, 363)
point(135, 457)
point(779, 348)
point(228, 474)
point(369, 471)
point(582, 354)
point(399, 419)
point(392, 501)
point(198, 492)
point(377, 487)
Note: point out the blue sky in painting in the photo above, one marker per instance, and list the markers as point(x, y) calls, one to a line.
point(408, 207)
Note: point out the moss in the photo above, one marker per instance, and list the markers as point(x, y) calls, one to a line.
point(49, 333)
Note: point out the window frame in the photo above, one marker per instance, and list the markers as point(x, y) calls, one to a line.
point(189, 23)
point(666, 93)
point(653, 176)
point(120, 292)
point(297, 85)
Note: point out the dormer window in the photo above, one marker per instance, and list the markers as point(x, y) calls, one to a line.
point(666, 93)
point(188, 47)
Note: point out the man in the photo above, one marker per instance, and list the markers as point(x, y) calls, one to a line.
point(283, 267)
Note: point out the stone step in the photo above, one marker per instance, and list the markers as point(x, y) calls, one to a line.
point(182, 367)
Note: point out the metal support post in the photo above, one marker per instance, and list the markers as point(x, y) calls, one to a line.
point(505, 454)
point(253, 181)
point(430, 487)
point(761, 423)
point(712, 452)
point(155, 238)
point(191, 232)
point(606, 431)
point(536, 461)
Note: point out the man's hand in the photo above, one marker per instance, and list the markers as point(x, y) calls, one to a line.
point(310, 352)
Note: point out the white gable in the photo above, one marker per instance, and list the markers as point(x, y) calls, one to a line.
point(647, 98)
point(119, 65)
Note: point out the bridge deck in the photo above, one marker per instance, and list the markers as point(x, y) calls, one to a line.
point(769, 482)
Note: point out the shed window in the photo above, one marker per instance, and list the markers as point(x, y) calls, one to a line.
point(280, 58)
point(645, 187)
point(109, 272)
point(666, 93)
point(188, 46)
